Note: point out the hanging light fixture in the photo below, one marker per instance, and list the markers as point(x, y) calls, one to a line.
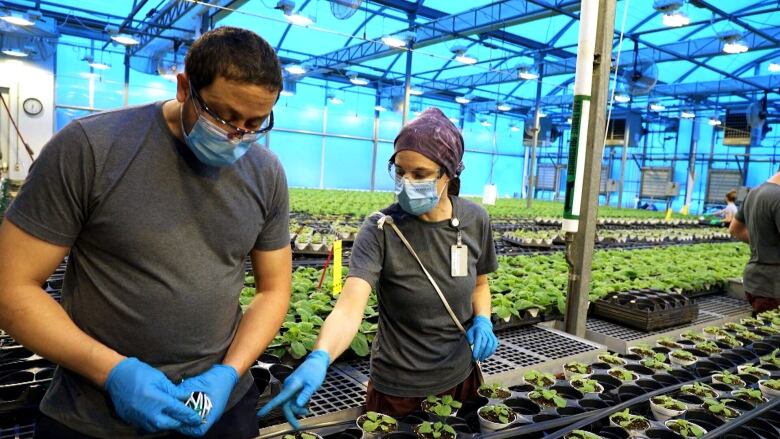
point(514, 127)
point(335, 100)
point(393, 41)
point(461, 56)
point(774, 67)
point(465, 99)
point(380, 108)
point(296, 18)
point(733, 44)
point(526, 74)
point(672, 16)
point(415, 91)
point(622, 98)
point(503, 106)
point(355, 79)
point(714, 121)
point(657, 107)
point(485, 123)
point(687, 114)
point(16, 53)
point(98, 65)
point(18, 19)
point(295, 69)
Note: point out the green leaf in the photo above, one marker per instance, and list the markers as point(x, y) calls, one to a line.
point(425, 427)
point(373, 416)
point(370, 426)
point(359, 345)
point(297, 350)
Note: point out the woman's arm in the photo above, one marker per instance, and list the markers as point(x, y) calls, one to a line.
point(344, 321)
point(480, 298)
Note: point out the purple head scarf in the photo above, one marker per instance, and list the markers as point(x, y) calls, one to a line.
point(433, 135)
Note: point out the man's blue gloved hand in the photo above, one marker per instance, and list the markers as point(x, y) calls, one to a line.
point(217, 383)
point(299, 387)
point(480, 336)
point(144, 397)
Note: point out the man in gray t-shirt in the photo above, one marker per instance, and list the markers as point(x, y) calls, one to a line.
point(758, 223)
point(157, 207)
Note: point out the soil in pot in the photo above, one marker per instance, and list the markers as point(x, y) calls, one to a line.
point(694, 429)
point(426, 431)
point(301, 435)
point(494, 392)
point(373, 423)
point(622, 374)
point(280, 371)
point(546, 399)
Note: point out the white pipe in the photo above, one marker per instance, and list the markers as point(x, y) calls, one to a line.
point(583, 81)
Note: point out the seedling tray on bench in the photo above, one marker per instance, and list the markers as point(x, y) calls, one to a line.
point(647, 310)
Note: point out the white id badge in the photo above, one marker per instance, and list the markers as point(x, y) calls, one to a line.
point(459, 257)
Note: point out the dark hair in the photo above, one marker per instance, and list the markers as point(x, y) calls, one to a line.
point(731, 196)
point(235, 54)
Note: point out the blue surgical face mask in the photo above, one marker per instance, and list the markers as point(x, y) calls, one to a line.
point(417, 197)
point(211, 144)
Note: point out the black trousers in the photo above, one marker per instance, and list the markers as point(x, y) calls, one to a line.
point(240, 422)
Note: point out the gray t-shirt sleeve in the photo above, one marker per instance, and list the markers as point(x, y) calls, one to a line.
point(487, 262)
point(276, 231)
point(740, 215)
point(53, 203)
point(368, 253)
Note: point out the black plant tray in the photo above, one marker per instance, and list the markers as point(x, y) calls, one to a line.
point(527, 318)
point(647, 310)
point(23, 389)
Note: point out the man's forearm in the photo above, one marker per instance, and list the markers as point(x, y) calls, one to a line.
point(258, 327)
point(39, 323)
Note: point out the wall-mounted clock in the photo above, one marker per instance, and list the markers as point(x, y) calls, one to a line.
point(32, 106)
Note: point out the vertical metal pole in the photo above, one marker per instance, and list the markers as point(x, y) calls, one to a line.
point(407, 85)
point(623, 160)
point(324, 138)
point(526, 153)
point(127, 78)
point(375, 142)
point(610, 166)
point(692, 162)
point(580, 244)
point(537, 126)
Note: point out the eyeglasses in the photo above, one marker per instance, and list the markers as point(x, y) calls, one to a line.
point(396, 171)
point(236, 133)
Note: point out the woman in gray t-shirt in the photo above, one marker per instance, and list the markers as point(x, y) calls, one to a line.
point(418, 350)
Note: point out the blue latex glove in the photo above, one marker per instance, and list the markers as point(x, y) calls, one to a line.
point(217, 383)
point(480, 336)
point(299, 387)
point(144, 397)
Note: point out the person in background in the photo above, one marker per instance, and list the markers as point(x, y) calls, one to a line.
point(418, 350)
point(728, 212)
point(156, 206)
point(758, 224)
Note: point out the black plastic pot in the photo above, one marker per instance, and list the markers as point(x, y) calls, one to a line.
point(662, 434)
point(523, 406)
point(761, 348)
point(649, 385)
point(613, 433)
point(400, 435)
point(722, 362)
point(632, 357)
point(269, 359)
point(19, 377)
point(415, 418)
point(733, 357)
point(567, 392)
point(665, 379)
point(601, 366)
point(459, 424)
point(741, 432)
point(721, 387)
point(762, 427)
point(697, 352)
point(262, 377)
point(684, 342)
point(705, 420)
point(748, 378)
point(570, 411)
point(350, 433)
point(689, 399)
point(590, 404)
point(522, 388)
point(280, 372)
point(545, 417)
point(639, 369)
point(705, 367)
point(748, 356)
point(471, 406)
point(14, 353)
point(682, 375)
point(740, 404)
point(629, 391)
point(607, 381)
